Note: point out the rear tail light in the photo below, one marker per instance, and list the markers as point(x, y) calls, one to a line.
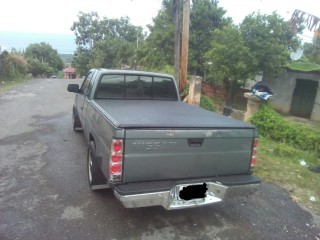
point(116, 160)
point(254, 152)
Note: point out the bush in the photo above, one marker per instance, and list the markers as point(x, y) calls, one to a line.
point(207, 103)
point(12, 66)
point(271, 125)
point(167, 69)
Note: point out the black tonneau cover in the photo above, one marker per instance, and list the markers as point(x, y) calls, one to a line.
point(164, 114)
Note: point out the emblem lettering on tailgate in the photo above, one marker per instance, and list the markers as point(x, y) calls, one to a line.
point(153, 145)
point(170, 133)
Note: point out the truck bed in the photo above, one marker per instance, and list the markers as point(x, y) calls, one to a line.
point(162, 114)
point(171, 139)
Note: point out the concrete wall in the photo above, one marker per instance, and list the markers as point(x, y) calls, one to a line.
point(315, 116)
point(283, 88)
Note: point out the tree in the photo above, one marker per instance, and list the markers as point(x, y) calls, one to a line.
point(87, 29)
point(43, 59)
point(158, 48)
point(81, 59)
point(105, 42)
point(312, 52)
point(205, 16)
point(229, 61)
point(113, 53)
point(270, 40)
point(261, 43)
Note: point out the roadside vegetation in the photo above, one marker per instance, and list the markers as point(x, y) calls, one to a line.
point(13, 70)
point(13, 66)
point(38, 60)
point(273, 126)
point(289, 155)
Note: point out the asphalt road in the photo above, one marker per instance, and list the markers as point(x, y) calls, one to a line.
point(44, 192)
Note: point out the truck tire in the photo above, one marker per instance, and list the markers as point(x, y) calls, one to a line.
point(96, 179)
point(76, 124)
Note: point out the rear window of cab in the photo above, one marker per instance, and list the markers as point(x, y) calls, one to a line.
point(136, 87)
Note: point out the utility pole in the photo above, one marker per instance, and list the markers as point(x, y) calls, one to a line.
point(185, 44)
point(177, 44)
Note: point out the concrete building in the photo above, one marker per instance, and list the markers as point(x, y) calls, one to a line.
point(297, 94)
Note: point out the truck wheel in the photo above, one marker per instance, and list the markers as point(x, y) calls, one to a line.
point(76, 124)
point(96, 179)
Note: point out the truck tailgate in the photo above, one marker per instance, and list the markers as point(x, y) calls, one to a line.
point(163, 154)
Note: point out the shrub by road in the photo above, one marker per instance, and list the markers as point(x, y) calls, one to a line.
point(289, 156)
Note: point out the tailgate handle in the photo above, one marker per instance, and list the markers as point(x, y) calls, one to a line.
point(195, 142)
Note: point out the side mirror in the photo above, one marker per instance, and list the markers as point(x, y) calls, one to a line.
point(73, 88)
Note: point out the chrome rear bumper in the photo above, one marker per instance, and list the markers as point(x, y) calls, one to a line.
point(170, 200)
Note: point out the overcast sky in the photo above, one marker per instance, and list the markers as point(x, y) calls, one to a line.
point(57, 16)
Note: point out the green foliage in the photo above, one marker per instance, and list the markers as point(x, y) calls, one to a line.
point(205, 16)
point(81, 60)
point(158, 48)
point(167, 69)
point(66, 59)
point(108, 43)
point(185, 92)
point(270, 40)
point(271, 125)
point(312, 51)
point(13, 66)
point(112, 53)
point(230, 61)
point(87, 29)
point(38, 68)
point(261, 43)
point(43, 59)
point(207, 103)
point(304, 66)
point(115, 42)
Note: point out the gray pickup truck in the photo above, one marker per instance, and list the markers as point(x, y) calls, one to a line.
point(152, 149)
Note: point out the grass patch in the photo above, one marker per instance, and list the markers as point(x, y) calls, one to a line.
point(283, 146)
point(279, 163)
point(304, 66)
point(8, 85)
